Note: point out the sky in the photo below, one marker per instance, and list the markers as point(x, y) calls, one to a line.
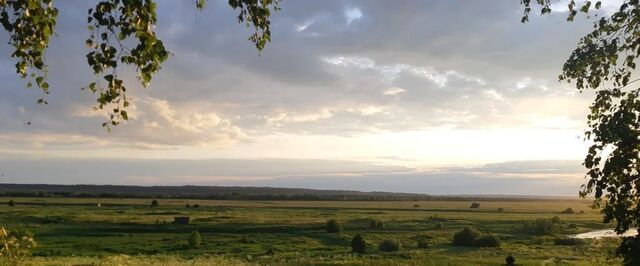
point(437, 97)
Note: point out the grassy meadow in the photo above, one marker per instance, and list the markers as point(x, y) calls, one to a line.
point(74, 231)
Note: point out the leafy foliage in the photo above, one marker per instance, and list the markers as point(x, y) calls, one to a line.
point(471, 237)
point(487, 240)
point(358, 244)
point(122, 32)
point(15, 245)
point(510, 260)
point(466, 236)
point(30, 24)
point(542, 227)
point(629, 250)
point(566, 241)
point(375, 223)
point(334, 226)
point(423, 244)
point(195, 239)
point(567, 211)
point(389, 245)
point(112, 23)
point(475, 205)
point(605, 60)
point(154, 203)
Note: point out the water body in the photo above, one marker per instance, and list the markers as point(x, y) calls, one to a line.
point(605, 233)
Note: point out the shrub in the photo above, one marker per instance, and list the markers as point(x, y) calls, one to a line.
point(358, 244)
point(568, 241)
point(629, 250)
point(423, 244)
point(438, 226)
point(333, 226)
point(375, 223)
point(567, 211)
point(196, 205)
point(500, 209)
point(475, 205)
point(416, 205)
point(195, 239)
point(389, 245)
point(187, 205)
point(154, 203)
point(510, 260)
point(11, 203)
point(572, 226)
point(541, 227)
point(465, 237)
point(246, 240)
point(487, 240)
point(435, 218)
point(555, 220)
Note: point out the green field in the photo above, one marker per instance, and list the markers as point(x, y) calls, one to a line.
point(130, 232)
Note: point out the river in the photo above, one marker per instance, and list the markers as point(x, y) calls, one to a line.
point(605, 233)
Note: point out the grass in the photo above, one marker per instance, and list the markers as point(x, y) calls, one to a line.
point(78, 232)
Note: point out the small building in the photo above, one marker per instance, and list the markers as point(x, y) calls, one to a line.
point(181, 220)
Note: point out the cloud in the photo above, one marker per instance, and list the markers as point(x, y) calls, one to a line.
point(340, 79)
point(393, 91)
point(352, 14)
point(541, 168)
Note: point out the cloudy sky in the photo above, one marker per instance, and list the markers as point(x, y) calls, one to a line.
point(440, 97)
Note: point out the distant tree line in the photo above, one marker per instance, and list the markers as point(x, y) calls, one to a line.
point(224, 193)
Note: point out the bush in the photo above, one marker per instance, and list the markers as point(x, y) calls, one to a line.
point(358, 244)
point(572, 226)
point(487, 240)
point(375, 223)
point(196, 205)
point(541, 227)
point(195, 239)
point(11, 203)
point(187, 205)
point(416, 205)
point(438, 226)
point(389, 245)
point(567, 211)
point(555, 220)
point(510, 260)
point(500, 209)
point(423, 244)
point(247, 240)
point(435, 218)
point(629, 250)
point(154, 203)
point(466, 237)
point(568, 241)
point(475, 205)
point(333, 226)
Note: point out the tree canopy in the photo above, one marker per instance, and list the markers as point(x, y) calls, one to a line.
point(121, 32)
point(605, 61)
